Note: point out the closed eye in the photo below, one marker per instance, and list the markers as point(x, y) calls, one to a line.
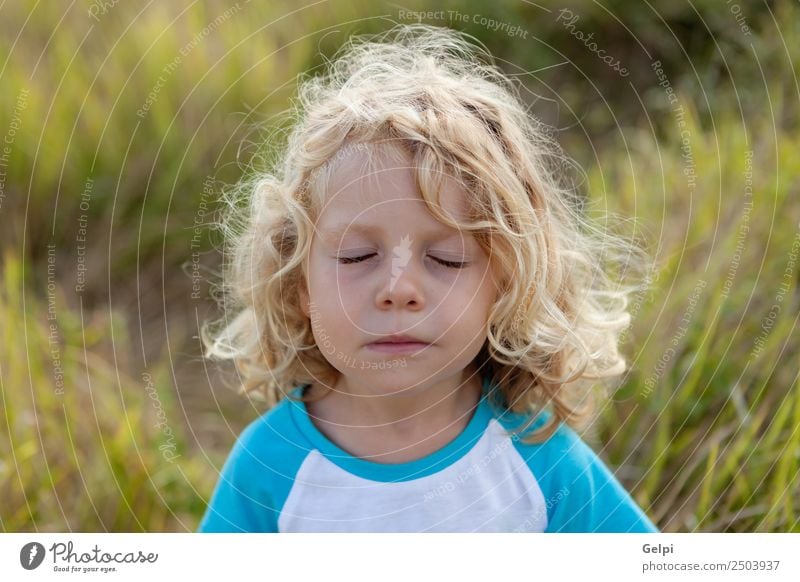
point(351, 260)
point(449, 264)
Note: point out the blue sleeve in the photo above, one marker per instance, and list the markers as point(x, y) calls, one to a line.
point(240, 501)
point(592, 498)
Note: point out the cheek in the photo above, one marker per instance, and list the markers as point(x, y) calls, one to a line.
point(486, 292)
point(457, 310)
point(469, 302)
point(337, 296)
point(323, 275)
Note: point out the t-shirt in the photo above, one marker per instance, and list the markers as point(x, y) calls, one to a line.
point(284, 475)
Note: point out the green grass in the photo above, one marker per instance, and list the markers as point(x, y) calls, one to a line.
point(83, 445)
point(709, 434)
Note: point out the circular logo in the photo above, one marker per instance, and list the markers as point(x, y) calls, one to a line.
point(31, 555)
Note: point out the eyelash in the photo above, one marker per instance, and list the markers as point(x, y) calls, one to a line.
point(449, 264)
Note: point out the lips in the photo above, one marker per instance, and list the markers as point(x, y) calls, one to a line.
point(399, 345)
point(399, 339)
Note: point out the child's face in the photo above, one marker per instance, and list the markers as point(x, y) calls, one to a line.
point(400, 286)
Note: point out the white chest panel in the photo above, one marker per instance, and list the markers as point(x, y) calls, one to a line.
point(489, 489)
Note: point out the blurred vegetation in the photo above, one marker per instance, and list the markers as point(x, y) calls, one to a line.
point(143, 113)
point(709, 417)
point(89, 443)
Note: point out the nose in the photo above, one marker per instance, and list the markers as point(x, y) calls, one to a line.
point(401, 286)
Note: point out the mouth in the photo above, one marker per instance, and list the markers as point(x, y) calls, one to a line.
point(397, 338)
point(395, 344)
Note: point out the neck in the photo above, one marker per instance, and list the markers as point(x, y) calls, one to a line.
point(398, 427)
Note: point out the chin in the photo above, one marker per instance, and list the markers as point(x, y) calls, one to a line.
point(389, 381)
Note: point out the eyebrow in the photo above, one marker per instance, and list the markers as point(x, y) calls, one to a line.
point(339, 230)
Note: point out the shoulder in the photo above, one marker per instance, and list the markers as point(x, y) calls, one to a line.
point(257, 475)
point(270, 441)
point(563, 453)
point(581, 492)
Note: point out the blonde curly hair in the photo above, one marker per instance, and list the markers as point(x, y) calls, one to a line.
point(556, 325)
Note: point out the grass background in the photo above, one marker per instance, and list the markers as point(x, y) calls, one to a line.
point(110, 419)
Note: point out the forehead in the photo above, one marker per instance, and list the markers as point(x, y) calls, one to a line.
point(377, 184)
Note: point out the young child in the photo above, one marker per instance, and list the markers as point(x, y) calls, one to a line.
point(424, 308)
